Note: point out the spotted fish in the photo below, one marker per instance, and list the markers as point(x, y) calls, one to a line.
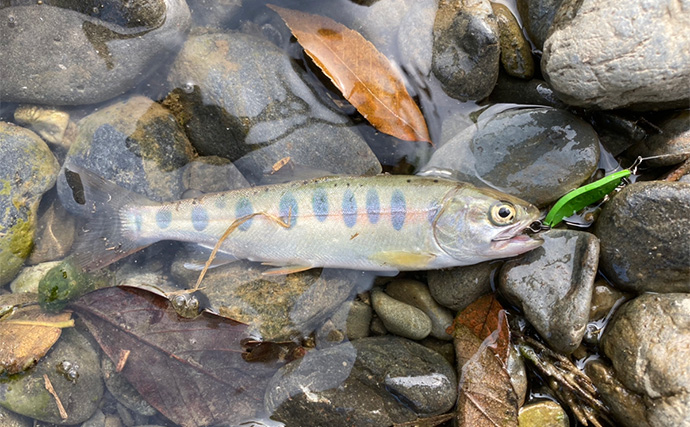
point(380, 223)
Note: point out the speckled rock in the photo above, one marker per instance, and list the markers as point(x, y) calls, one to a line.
point(537, 154)
point(648, 342)
point(516, 52)
point(417, 295)
point(135, 143)
point(55, 231)
point(458, 287)
point(27, 394)
point(400, 318)
point(599, 53)
point(363, 383)
point(27, 171)
point(673, 137)
point(537, 16)
point(466, 49)
point(645, 237)
point(275, 116)
point(553, 285)
point(90, 65)
point(279, 307)
point(626, 406)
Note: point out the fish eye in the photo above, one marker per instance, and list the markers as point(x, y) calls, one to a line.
point(502, 213)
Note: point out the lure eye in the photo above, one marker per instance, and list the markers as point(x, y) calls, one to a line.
point(502, 213)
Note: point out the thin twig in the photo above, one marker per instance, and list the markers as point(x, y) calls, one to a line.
point(51, 390)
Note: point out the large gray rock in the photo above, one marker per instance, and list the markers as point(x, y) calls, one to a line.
point(537, 154)
point(553, 286)
point(645, 237)
point(55, 55)
point(648, 342)
point(602, 54)
point(458, 287)
point(28, 169)
point(259, 110)
point(372, 381)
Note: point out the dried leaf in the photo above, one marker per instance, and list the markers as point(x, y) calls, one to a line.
point(362, 74)
point(191, 370)
point(26, 335)
point(482, 341)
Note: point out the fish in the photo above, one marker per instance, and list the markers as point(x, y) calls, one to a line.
point(383, 223)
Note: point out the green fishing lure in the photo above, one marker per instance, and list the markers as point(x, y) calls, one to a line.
point(584, 196)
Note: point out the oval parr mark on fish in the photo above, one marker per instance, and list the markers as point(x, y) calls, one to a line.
point(288, 209)
point(319, 204)
point(199, 218)
point(373, 206)
point(242, 209)
point(398, 209)
point(349, 208)
point(163, 218)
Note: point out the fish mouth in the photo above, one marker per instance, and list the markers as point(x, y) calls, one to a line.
point(514, 240)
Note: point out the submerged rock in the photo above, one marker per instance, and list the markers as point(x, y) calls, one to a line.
point(400, 318)
point(537, 154)
point(645, 237)
point(46, 60)
point(372, 381)
point(466, 49)
point(648, 342)
point(240, 98)
point(600, 53)
point(458, 287)
point(553, 286)
point(135, 143)
point(28, 170)
point(73, 369)
point(516, 52)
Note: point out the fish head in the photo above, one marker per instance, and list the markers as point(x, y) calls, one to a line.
point(480, 224)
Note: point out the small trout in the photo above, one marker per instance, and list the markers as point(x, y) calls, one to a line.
point(380, 223)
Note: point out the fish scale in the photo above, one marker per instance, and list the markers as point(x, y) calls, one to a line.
point(381, 223)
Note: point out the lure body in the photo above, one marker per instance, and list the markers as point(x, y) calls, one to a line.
point(382, 223)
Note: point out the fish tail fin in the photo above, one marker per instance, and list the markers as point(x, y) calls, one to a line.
point(110, 233)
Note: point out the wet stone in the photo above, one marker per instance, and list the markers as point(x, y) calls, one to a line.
point(94, 64)
point(352, 319)
point(400, 318)
point(49, 123)
point(212, 174)
point(604, 298)
point(458, 287)
point(27, 394)
point(27, 171)
point(28, 279)
point(123, 391)
point(279, 307)
point(417, 295)
point(626, 406)
point(537, 16)
point(371, 381)
point(466, 49)
point(516, 52)
point(135, 143)
point(537, 154)
point(657, 258)
point(648, 342)
point(615, 63)
point(11, 419)
point(277, 116)
point(553, 285)
point(672, 140)
point(55, 231)
point(518, 91)
point(543, 414)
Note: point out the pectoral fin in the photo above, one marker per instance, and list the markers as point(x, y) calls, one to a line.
point(286, 269)
point(404, 260)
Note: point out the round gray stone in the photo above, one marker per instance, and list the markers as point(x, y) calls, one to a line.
point(400, 318)
point(645, 237)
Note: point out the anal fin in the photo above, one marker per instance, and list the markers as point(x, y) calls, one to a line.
point(403, 260)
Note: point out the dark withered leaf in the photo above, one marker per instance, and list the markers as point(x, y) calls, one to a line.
point(191, 370)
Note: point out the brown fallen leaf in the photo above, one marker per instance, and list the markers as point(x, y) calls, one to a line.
point(191, 370)
point(362, 74)
point(482, 341)
point(27, 334)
